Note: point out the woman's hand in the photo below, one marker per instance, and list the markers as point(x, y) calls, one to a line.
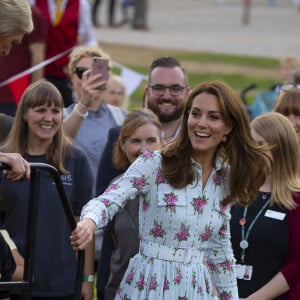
point(92, 88)
point(82, 235)
point(19, 166)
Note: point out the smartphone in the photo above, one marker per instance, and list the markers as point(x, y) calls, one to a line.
point(100, 66)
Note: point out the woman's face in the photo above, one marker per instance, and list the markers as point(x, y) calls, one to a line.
point(146, 137)
point(206, 126)
point(7, 42)
point(43, 122)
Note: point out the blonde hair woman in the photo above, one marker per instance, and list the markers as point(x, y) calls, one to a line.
point(265, 233)
point(15, 21)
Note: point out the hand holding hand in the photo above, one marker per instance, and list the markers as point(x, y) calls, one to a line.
point(82, 235)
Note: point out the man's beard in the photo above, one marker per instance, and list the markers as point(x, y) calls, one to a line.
point(166, 117)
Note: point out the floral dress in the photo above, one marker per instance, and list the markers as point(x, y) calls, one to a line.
point(185, 250)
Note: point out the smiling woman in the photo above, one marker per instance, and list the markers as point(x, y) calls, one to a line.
point(15, 21)
point(185, 250)
point(38, 136)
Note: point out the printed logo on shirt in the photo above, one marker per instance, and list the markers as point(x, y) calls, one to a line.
point(66, 179)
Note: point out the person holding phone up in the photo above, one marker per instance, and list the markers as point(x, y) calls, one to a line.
point(89, 118)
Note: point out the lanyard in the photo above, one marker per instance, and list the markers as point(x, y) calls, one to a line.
point(244, 242)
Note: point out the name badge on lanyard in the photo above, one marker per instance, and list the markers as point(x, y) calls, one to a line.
point(244, 272)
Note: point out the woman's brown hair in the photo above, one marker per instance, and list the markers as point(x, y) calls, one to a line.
point(247, 161)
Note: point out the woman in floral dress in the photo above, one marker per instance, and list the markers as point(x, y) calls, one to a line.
point(185, 193)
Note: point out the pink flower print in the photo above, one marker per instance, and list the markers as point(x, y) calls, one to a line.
point(103, 216)
point(225, 296)
point(200, 289)
point(183, 298)
point(182, 234)
point(157, 230)
point(207, 286)
point(206, 234)
point(166, 284)
point(125, 297)
point(178, 277)
point(194, 281)
point(153, 283)
point(227, 265)
point(170, 200)
point(129, 277)
point(217, 178)
point(222, 230)
point(213, 267)
point(223, 208)
point(140, 284)
point(147, 155)
point(138, 183)
point(198, 204)
point(146, 205)
point(111, 188)
point(105, 202)
point(159, 177)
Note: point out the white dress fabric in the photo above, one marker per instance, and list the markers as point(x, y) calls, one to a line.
point(185, 248)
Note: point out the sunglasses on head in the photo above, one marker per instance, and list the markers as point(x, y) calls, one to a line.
point(79, 71)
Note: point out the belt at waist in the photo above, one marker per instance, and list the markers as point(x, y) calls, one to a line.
point(189, 255)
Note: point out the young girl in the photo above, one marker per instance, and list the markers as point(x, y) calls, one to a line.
point(265, 234)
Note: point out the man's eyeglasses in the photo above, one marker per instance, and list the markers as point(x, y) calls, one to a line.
point(288, 86)
point(79, 71)
point(175, 90)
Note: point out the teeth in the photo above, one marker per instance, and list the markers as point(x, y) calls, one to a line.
point(202, 134)
point(46, 126)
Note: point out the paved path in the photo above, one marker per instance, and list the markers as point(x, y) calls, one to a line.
point(203, 25)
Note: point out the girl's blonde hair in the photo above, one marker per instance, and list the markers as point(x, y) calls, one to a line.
point(278, 131)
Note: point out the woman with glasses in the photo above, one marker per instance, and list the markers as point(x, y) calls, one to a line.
point(89, 118)
point(288, 104)
point(185, 191)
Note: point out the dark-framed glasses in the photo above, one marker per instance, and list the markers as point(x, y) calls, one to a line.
point(159, 89)
point(288, 86)
point(79, 71)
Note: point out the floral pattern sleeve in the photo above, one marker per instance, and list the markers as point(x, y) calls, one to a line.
point(136, 180)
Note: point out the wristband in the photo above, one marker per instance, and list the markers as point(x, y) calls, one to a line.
point(88, 278)
point(78, 113)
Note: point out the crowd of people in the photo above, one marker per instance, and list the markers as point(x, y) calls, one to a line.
point(193, 200)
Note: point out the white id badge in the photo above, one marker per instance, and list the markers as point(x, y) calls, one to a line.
point(275, 214)
point(244, 272)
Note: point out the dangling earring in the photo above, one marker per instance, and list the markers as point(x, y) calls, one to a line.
point(224, 138)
